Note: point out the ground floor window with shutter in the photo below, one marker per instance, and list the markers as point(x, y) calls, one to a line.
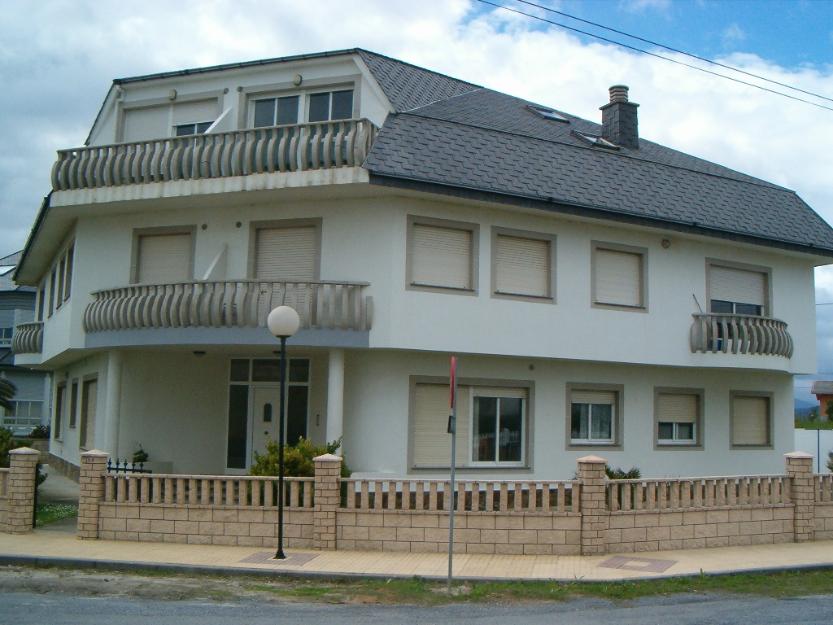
point(492, 424)
point(751, 418)
point(595, 415)
point(678, 417)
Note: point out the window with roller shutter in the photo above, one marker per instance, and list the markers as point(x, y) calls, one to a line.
point(286, 252)
point(737, 290)
point(522, 265)
point(442, 255)
point(618, 276)
point(677, 415)
point(751, 418)
point(163, 257)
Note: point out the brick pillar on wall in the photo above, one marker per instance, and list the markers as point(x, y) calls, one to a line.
point(91, 485)
point(327, 500)
point(595, 517)
point(803, 493)
point(20, 489)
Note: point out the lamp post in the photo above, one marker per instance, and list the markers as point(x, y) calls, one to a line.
point(282, 322)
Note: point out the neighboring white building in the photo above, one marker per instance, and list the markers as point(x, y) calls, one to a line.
point(17, 305)
point(604, 294)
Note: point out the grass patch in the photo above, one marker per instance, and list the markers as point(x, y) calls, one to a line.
point(420, 591)
point(814, 424)
point(50, 512)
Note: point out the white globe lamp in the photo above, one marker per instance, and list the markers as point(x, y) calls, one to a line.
point(283, 321)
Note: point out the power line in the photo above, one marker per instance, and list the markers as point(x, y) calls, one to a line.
point(653, 54)
point(676, 50)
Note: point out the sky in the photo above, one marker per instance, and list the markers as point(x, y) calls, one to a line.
point(58, 58)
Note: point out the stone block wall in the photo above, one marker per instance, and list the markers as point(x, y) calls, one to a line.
point(474, 532)
point(824, 521)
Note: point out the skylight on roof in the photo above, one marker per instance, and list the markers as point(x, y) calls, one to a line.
point(548, 114)
point(596, 140)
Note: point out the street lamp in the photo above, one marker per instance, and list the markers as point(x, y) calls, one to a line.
point(282, 322)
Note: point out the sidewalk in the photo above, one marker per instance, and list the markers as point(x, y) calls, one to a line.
point(58, 544)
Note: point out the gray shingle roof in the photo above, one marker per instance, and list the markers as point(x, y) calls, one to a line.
point(822, 387)
point(486, 141)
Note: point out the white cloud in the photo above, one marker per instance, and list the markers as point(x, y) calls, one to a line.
point(636, 6)
point(57, 60)
point(732, 35)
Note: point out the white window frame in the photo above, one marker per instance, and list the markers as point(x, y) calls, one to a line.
point(589, 440)
point(617, 417)
point(303, 103)
point(694, 443)
point(276, 96)
point(331, 91)
point(4, 331)
point(766, 309)
point(498, 393)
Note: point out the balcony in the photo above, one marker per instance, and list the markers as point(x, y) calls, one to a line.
point(740, 334)
point(28, 338)
point(300, 147)
point(229, 304)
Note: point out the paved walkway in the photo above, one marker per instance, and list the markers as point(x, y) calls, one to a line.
point(59, 544)
point(57, 488)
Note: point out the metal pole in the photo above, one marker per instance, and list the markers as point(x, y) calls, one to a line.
point(280, 554)
point(453, 502)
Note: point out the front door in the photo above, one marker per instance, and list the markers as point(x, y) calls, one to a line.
point(265, 401)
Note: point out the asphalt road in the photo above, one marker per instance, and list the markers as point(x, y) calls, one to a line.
point(23, 608)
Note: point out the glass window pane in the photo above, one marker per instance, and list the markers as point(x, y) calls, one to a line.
point(578, 420)
point(239, 370)
point(296, 413)
point(666, 431)
point(685, 431)
point(184, 129)
point(601, 423)
point(264, 112)
point(319, 107)
point(238, 409)
point(485, 421)
point(299, 370)
point(748, 309)
point(202, 127)
point(511, 420)
point(720, 306)
point(342, 104)
point(266, 370)
point(288, 110)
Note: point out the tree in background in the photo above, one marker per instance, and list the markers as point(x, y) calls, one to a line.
point(7, 391)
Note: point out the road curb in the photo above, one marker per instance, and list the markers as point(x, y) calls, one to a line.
point(201, 569)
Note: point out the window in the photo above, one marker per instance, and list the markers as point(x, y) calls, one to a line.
point(163, 257)
point(52, 278)
point(25, 414)
point(6, 336)
point(522, 265)
point(737, 291)
point(62, 267)
point(330, 105)
point(288, 251)
point(595, 415)
point(59, 410)
point(41, 300)
point(183, 130)
point(70, 260)
point(751, 419)
point(618, 276)
point(178, 118)
point(73, 404)
point(497, 425)
point(276, 111)
point(442, 255)
point(678, 417)
point(596, 140)
point(491, 425)
point(89, 400)
point(547, 113)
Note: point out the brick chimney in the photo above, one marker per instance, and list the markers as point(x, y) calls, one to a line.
point(619, 119)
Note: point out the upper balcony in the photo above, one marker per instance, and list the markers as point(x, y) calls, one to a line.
point(291, 148)
point(339, 309)
point(740, 334)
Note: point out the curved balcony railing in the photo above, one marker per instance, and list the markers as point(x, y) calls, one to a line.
point(28, 338)
point(740, 334)
point(299, 147)
point(230, 303)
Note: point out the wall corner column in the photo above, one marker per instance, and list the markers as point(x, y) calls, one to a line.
point(803, 494)
point(20, 489)
point(335, 395)
point(327, 494)
point(91, 492)
point(595, 516)
point(112, 405)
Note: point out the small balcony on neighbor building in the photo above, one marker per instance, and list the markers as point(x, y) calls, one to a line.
point(729, 333)
point(28, 338)
point(285, 149)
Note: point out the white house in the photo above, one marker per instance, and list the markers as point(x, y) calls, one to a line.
point(604, 294)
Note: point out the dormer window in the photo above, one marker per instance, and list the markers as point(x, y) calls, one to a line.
point(276, 111)
point(330, 105)
point(310, 107)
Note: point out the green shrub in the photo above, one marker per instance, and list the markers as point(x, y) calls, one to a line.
point(40, 432)
point(621, 474)
point(7, 443)
point(297, 459)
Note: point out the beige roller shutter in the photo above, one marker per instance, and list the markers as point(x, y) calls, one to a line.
point(618, 278)
point(151, 122)
point(522, 266)
point(677, 408)
point(431, 443)
point(593, 397)
point(737, 285)
point(193, 112)
point(164, 258)
point(286, 253)
point(750, 421)
point(441, 257)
